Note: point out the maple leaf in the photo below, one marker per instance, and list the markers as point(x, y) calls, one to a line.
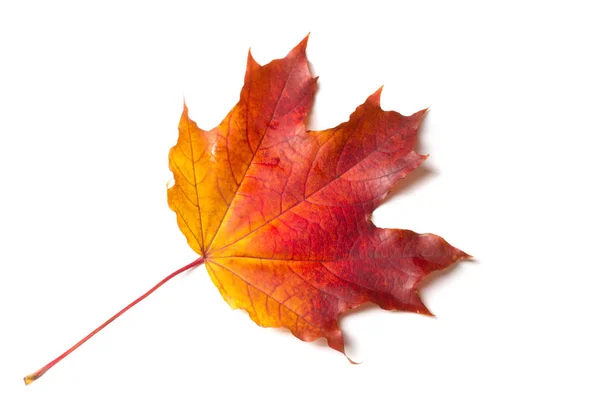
point(281, 215)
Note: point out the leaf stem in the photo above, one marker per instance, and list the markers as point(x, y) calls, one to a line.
point(36, 375)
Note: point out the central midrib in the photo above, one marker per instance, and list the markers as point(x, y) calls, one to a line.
point(253, 154)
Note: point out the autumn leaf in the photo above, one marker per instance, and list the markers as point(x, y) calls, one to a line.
point(281, 215)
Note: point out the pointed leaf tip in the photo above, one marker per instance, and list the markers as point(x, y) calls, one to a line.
point(421, 114)
point(375, 98)
point(301, 47)
point(464, 256)
point(251, 63)
point(304, 42)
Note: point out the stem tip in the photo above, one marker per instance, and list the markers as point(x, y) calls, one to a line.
point(32, 377)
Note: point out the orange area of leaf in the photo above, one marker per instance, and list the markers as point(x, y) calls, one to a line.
point(282, 215)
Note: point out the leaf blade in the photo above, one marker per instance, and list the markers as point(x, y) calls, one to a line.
point(292, 243)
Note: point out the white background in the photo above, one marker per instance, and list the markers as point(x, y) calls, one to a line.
point(90, 98)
